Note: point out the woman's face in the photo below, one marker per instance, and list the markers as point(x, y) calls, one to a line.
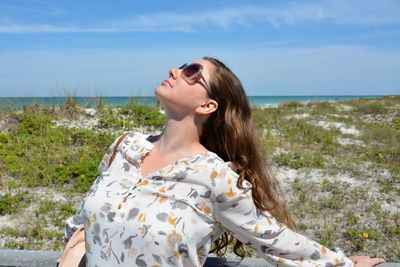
point(178, 94)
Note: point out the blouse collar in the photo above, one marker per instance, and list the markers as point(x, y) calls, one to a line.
point(136, 145)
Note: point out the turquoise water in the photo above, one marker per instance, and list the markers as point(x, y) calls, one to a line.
point(275, 100)
point(116, 101)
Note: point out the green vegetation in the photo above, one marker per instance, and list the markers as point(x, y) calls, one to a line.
point(297, 160)
point(318, 140)
point(35, 155)
point(345, 190)
point(41, 155)
point(11, 203)
point(132, 115)
point(70, 108)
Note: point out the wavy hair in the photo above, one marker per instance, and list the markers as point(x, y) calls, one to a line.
point(230, 133)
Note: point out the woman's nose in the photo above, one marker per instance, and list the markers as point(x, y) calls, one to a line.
point(173, 73)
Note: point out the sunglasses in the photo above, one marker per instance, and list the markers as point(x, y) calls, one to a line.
point(192, 74)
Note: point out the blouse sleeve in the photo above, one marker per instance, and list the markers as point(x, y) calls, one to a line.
point(273, 241)
point(77, 220)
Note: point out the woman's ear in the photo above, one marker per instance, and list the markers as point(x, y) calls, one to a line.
point(207, 107)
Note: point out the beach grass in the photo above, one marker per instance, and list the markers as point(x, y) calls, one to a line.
point(338, 164)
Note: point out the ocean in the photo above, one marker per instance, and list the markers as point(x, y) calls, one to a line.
point(263, 101)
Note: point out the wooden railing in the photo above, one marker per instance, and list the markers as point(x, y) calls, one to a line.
point(40, 258)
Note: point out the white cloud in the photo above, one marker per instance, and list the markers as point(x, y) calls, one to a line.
point(356, 12)
point(40, 28)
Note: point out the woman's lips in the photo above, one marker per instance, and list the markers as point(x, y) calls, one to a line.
point(167, 82)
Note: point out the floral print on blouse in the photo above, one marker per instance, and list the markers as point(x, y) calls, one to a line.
point(172, 216)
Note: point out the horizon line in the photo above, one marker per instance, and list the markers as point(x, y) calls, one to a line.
point(81, 96)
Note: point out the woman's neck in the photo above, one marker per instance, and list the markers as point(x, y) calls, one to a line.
point(181, 137)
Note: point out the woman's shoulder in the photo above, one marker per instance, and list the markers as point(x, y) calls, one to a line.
point(143, 136)
point(223, 173)
point(216, 163)
point(128, 139)
point(136, 134)
point(135, 142)
point(133, 136)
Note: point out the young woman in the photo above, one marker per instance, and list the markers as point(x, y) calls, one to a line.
point(167, 200)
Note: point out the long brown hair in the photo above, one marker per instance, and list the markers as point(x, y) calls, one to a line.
point(230, 133)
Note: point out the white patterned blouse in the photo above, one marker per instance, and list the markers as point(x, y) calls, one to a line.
point(172, 216)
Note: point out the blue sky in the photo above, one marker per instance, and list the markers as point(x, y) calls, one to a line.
point(125, 48)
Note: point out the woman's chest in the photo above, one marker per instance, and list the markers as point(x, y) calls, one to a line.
point(122, 196)
point(150, 209)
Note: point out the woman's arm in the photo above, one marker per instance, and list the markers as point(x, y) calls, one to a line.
point(366, 261)
point(235, 210)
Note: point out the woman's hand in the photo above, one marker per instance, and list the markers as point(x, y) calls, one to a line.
point(366, 261)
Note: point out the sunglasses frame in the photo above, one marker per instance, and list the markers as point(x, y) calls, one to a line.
point(196, 77)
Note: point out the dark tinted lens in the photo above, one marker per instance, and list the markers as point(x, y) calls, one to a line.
point(191, 70)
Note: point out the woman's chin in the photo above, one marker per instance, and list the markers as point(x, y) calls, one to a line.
point(158, 91)
point(161, 89)
point(160, 94)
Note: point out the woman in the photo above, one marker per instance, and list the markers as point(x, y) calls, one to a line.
point(167, 200)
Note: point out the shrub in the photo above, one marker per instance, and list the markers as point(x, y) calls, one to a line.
point(291, 105)
point(297, 160)
point(11, 203)
point(34, 121)
point(322, 107)
point(143, 115)
point(396, 122)
point(371, 108)
point(41, 155)
point(71, 107)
